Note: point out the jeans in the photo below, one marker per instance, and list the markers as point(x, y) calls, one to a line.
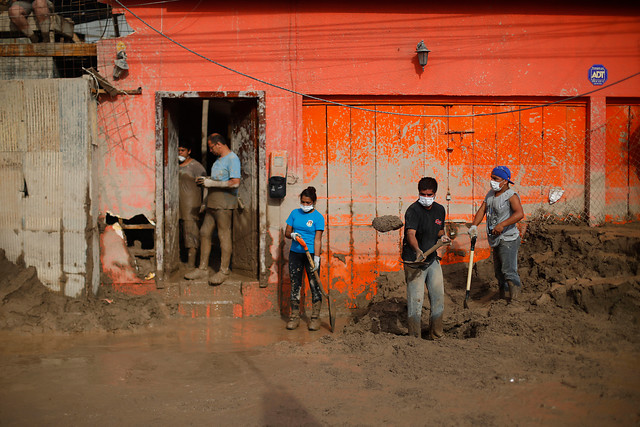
point(297, 263)
point(416, 279)
point(505, 263)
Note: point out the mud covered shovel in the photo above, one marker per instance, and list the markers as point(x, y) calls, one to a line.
point(332, 315)
point(466, 295)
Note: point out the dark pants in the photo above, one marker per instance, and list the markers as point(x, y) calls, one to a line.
point(297, 263)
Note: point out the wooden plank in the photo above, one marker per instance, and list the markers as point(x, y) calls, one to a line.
point(48, 49)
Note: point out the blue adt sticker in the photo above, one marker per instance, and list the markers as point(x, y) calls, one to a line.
point(597, 75)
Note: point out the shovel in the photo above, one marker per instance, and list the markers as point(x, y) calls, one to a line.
point(432, 249)
point(466, 295)
point(332, 315)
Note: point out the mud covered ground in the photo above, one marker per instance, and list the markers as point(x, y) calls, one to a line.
point(566, 354)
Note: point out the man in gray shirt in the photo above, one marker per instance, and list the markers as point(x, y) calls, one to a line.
point(190, 201)
point(503, 209)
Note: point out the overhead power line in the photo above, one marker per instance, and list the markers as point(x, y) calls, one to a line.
point(355, 107)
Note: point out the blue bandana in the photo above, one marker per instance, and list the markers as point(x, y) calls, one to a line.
point(503, 172)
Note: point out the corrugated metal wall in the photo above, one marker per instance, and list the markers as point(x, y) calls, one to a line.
point(46, 136)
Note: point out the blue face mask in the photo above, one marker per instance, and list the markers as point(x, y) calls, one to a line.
point(306, 208)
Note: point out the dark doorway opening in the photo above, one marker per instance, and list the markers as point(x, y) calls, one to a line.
point(188, 120)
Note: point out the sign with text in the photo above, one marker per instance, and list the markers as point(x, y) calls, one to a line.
point(597, 75)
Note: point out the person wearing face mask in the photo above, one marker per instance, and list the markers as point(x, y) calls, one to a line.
point(424, 226)
point(189, 201)
point(503, 210)
point(307, 223)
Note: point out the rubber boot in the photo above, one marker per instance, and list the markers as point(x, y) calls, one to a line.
point(435, 328)
point(314, 324)
point(514, 290)
point(294, 317)
point(503, 293)
point(415, 328)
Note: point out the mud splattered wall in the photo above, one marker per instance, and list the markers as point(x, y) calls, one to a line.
point(46, 196)
point(623, 163)
point(334, 50)
point(367, 164)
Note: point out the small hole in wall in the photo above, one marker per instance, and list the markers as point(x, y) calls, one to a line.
point(137, 228)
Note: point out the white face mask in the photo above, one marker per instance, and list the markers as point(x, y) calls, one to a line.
point(181, 159)
point(306, 208)
point(495, 185)
point(426, 201)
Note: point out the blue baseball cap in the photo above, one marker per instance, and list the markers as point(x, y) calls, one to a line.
point(503, 172)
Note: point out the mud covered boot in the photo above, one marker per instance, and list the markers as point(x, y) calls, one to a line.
point(294, 317)
point(415, 328)
point(435, 328)
point(197, 274)
point(314, 324)
point(219, 278)
point(503, 292)
point(514, 290)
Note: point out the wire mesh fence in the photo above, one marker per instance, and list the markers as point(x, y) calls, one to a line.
point(54, 39)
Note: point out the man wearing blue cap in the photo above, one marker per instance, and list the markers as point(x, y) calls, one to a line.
point(503, 209)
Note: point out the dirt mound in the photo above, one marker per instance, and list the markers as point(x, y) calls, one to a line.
point(26, 305)
point(564, 269)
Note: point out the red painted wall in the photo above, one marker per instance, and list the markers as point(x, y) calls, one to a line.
point(485, 52)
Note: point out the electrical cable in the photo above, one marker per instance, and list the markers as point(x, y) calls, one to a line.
point(328, 101)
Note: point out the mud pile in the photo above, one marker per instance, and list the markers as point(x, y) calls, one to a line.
point(565, 269)
point(26, 305)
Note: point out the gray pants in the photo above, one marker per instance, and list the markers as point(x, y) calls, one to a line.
point(505, 263)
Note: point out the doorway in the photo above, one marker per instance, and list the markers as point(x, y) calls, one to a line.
point(188, 118)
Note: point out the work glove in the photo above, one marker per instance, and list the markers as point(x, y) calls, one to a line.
point(316, 263)
point(419, 255)
point(294, 236)
point(473, 231)
point(211, 183)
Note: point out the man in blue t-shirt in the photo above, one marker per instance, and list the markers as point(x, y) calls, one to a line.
point(221, 200)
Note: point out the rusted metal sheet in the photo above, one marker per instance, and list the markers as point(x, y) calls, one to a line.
point(42, 115)
point(12, 114)
point(48, 49)
point(44, 201)
point(43, 206)
point(622, 163)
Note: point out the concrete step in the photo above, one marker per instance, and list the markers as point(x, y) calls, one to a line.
point(234, 298)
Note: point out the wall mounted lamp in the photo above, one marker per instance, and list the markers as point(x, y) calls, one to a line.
point(423, 53)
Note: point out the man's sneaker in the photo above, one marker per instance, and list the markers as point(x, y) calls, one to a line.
point(218, 278)
point(196, 274)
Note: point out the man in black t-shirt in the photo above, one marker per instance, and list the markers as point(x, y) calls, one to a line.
point(424, 226)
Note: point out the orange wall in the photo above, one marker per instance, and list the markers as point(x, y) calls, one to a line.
point(359, 49)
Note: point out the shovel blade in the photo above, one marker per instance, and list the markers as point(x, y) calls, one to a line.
point(332, 314)
point(466, 300)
